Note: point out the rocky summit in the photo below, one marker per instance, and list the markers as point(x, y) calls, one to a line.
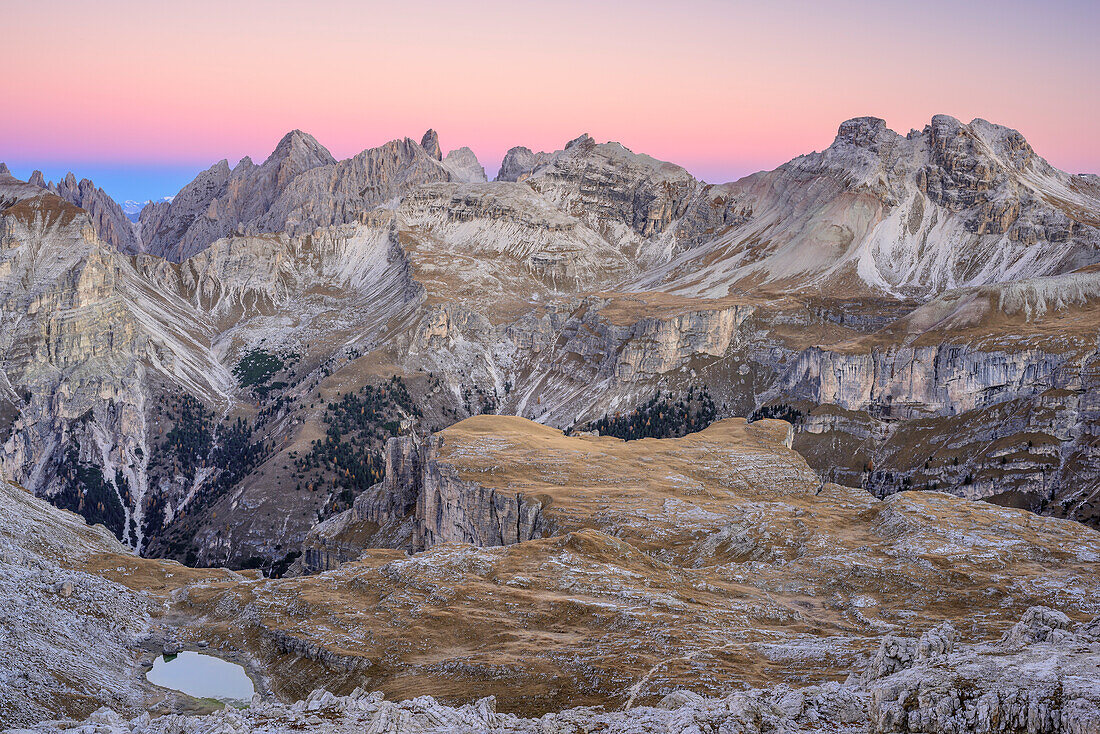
point(592, 446)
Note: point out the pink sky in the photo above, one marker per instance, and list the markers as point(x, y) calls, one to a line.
point(723, 88)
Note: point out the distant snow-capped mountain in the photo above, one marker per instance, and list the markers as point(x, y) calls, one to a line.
point(132, 209)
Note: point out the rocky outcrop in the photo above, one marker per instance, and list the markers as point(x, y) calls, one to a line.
point(430, 144)
point(110, 222)
point(420, 503)
point(464, 166)
point(221, 201)
point(519, 163)
point(630, 199)
point(449, 509)
point(381, 517)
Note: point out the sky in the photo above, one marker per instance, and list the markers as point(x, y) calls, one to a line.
point(139, 96)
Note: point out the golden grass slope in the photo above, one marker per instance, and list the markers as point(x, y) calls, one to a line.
point(714, 561)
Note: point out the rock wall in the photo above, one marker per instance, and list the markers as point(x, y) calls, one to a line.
point(910, 381)
point(87, 344)
point(450, 509)
point(420, 503)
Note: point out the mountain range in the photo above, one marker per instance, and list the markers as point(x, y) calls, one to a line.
point(595, 433)
point(923, 306)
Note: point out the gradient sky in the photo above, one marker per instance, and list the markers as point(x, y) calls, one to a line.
point(141, 95)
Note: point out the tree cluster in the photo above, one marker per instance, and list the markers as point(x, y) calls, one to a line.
point(349, 459)
point(88, 493)
point(781, 411)
point(661, 417)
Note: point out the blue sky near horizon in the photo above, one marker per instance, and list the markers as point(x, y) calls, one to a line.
point(122, 182)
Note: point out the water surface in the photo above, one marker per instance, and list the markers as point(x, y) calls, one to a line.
point(202, 676)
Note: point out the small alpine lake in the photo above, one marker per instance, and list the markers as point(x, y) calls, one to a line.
point(203, 676)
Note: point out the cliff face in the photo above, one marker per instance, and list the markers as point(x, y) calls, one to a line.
point(451, 510)
point(421, 502)
point(384, 516)
point(87, 344)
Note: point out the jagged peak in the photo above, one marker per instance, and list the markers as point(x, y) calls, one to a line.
point(465, 150)
point(864, 132)
point(518, 162)
point(4, 170)
point(37, 179)
point(463, 163)
point(244, 164)
point(430, 143)
point(300, 142)
point(1005, 144)
point(583, 141)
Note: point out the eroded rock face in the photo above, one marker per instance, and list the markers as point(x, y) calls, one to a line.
point(430, 144)
point(382, 517)
point(464, 166)
point(451, 510)
point(631, 199)
point(110, 222)
point(87, 343)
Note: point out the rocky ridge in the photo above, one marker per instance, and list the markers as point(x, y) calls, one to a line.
point(950, 206)
point(221, 200)
point(110, 222)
